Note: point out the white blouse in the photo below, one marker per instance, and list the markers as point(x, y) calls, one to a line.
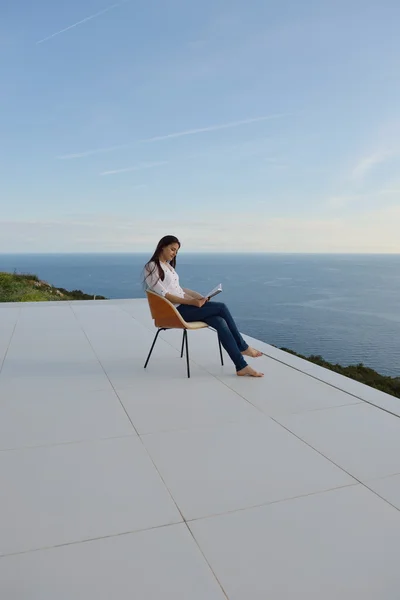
point(170, 285)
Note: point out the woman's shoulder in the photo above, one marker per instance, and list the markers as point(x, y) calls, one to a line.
point(150, 268)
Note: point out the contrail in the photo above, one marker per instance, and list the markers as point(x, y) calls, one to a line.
point(91, 152)
point(139, 167)
point(158, 138)
point(174, 135)
point(85, 20)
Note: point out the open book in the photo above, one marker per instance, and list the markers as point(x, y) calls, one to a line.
point(214, 292)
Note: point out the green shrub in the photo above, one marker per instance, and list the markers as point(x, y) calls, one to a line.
point(36, 296)
point(25, 287)
point(361, 373)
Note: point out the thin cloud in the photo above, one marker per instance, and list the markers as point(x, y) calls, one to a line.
point(367, 163)
point(82, 21)
point(342, 201)
point(178, 134)
point(92, 152)
point(390, 191)
point(372, 231)
point(139, 167)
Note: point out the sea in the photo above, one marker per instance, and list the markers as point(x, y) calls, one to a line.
point(342, 307)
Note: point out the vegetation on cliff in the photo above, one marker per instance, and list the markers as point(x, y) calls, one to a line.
point(361, 373)
point(17, 287)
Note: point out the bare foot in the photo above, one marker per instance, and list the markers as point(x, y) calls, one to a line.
point(249, 372)
point(252, 352)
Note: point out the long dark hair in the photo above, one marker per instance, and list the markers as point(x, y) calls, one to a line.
point(149, 269)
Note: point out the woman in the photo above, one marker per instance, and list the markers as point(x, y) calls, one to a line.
point(161, 277)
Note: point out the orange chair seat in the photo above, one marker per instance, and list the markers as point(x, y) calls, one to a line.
point(166, 316)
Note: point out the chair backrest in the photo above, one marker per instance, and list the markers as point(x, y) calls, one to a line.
point(164, 312)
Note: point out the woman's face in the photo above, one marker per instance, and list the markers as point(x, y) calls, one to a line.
point(169, 252)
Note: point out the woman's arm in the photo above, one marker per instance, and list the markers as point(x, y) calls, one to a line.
point(153, 280)
point(155, 284)
point(199, 302)
point(193, 294)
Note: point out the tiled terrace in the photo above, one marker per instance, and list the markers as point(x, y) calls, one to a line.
point(119, 483)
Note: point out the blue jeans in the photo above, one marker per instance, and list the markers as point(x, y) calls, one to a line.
point(217, 316)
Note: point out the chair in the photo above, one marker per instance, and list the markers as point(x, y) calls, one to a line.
point(167, 317)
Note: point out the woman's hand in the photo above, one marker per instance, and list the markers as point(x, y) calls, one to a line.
point(199, 302)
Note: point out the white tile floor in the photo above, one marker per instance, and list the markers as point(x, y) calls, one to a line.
point(184, 406)
point(118, 482)
point(45, 415)
point(388, 488)
point(361, 439)
point(349, 386)
point(220, 469)
point(61, 494)
point(163, 563)
point(341, 544)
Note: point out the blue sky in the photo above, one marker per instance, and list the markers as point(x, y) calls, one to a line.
point(259, 126)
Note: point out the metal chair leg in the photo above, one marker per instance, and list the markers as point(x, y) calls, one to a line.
point(152, 346)
point(187, 353)
point(183, 342)
point(220, 351)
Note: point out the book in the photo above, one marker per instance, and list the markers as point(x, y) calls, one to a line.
point(214, 292)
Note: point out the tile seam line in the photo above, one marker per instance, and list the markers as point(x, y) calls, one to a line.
point(353, 477)
point(191, 360)
point(141, 436)
point(184, 522)
point(103, 369)
point(281, 362)
point(264, 354)
point(360, 400)
point(68, 443)
point(271, 503)
point(277, 422)
point(88, 540)
point(188, 522)
point(335, 464)
point(288, 430)
point(130, 420)
point(206, 559)
point(333, 386)
point(239, 420)
point(286, 365)
point(204, 369)
point(11, 337)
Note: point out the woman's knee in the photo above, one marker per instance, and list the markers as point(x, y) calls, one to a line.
point(216, 322)
point(221, 306)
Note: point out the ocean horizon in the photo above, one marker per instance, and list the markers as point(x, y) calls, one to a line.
point(344, 307)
